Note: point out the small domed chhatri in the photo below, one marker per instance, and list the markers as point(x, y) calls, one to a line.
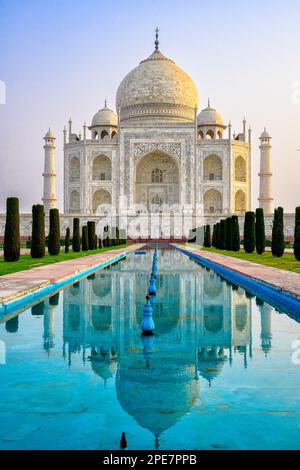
point(157, 89)
point(209, 116)
point(105, 117)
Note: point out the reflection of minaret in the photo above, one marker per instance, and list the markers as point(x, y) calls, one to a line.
point(49, 327)
point(266, 327)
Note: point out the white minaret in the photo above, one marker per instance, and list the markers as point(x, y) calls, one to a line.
point(265, 174)
point(49, 197)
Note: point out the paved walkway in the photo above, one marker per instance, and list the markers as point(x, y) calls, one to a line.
point(18, 284)
point(285, 280)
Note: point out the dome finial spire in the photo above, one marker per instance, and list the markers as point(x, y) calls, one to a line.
point(209, 102)
point(105, 103)
point(156, 42)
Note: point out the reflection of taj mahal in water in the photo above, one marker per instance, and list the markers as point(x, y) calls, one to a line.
point(202, 323)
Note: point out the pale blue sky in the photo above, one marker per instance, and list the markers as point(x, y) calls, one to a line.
point(62, 58)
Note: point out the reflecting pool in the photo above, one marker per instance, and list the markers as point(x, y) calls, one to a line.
point(218, 373)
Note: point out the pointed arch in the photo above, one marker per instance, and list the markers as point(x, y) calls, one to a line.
point(210, 135)
point(101, 199)
point(74, 169)
point(101, 168)
point(240, 201)
point(240, 170)
point(75, 201)
point(212, 168)
point(213, 202)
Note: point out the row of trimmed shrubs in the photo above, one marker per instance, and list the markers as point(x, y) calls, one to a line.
point(86, 240)
point(226, 233)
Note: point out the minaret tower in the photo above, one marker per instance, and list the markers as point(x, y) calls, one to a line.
point(265, 174)
point(49, 197)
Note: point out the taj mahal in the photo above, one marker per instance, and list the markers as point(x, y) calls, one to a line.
point(157, 154)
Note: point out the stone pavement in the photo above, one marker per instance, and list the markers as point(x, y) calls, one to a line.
point(18, 284)
point(284, 280)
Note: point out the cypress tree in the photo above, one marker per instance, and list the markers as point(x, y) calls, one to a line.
point(214, 236)
point(100, 243)
point(236, 242)
point(207, 237)
point(12, 230)
point(38, 231)
point(228, 231)
point(260, 232)
point(76, 236)
point(91, 234)
point(117, 236)
point(218, 235)
point(297, 235)
point(67, 240)
point(54, 233)
point(249, 232)
point(278, 233)
point(108, 242)
point(96, 242)
point(85, 240)
point(222, 235)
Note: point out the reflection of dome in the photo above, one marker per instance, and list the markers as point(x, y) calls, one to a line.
point(104, 367)
point(159, 396)
point(209, 117)
point(210, 363)
point(105, 117)
point(157, 88)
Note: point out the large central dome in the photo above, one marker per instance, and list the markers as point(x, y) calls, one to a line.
point(157, 90)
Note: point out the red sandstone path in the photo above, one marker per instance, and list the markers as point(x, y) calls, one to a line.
point(18, 284)
point(280, 278)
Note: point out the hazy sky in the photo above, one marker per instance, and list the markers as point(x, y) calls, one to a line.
point(62, 58)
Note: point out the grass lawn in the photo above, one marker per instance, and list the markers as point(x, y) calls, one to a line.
point(287, 262)
point(26, 262)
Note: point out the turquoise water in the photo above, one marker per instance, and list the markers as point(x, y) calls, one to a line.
point(218, 374)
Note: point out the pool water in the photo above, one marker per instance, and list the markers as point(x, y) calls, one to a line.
point(217, 374)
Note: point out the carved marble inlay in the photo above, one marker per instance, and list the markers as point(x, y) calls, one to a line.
point(141, 149)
